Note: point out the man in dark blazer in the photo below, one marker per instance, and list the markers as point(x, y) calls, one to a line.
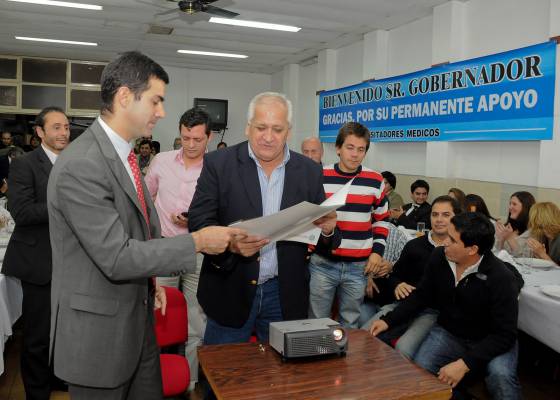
point(106, 244)
point(256, 282)
point(28, 256)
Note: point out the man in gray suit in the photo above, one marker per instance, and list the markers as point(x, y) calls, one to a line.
point(106, 243)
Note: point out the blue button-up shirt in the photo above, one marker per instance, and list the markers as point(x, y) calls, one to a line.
point(271, 195)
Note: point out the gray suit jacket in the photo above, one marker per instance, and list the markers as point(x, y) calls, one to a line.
point(101, 261)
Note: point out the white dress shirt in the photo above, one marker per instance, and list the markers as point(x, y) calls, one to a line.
point(121, 146)
point(51, 154)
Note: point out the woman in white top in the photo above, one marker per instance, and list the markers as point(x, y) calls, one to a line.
point(514, 234)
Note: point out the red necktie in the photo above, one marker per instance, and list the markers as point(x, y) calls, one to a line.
point(138, 183)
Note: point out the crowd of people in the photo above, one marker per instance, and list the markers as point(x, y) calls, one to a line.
point(96, 220)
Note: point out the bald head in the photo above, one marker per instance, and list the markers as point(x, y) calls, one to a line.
point(313, 148)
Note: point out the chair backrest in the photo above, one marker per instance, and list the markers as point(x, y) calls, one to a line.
point(172, 328)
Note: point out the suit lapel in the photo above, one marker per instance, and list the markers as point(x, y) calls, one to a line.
point(250, 178)
point(117, 168)
point(292, 179)
point(44, 161)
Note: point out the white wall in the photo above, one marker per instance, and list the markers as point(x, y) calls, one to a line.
point(349, 60)
point(186, 84)
point(308, 112)
point(455, 31)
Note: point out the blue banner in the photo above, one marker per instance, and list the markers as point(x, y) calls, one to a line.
point(505, 96)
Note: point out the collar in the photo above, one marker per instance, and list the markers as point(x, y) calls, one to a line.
point(352, 174)
point(178, 157)
point(121, 146)
point(473, 269)
point(50, 154)
point(284, 160)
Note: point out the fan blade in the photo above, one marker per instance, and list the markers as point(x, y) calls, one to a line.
point(167, 12)
point(220, 11)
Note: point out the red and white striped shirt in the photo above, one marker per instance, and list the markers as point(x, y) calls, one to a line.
point(363, 220)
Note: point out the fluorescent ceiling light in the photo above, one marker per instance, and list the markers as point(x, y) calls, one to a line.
point(254, 24)
point(211, 53)
point(55, 41)
point(61, 4)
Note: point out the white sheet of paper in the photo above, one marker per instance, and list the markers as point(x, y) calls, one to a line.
point(295, 223)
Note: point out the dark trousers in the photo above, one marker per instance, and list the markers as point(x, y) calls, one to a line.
point(36, 313)
point(145, 383)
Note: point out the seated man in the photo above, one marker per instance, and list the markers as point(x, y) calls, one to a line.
point(476, 296)
point(417, 211)
point(396, 240)
point(406, 275)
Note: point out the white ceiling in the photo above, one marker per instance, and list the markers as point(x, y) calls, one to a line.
point(122, 26)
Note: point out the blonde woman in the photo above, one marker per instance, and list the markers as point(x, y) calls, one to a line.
point(544, 225)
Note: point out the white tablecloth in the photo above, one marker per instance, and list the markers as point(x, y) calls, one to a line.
point(539, 314)
point(10, 310)
point(10, 294)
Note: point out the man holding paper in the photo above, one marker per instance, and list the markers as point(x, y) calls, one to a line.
point(255, 281)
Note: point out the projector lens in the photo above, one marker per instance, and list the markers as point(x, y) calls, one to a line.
point(338, 334)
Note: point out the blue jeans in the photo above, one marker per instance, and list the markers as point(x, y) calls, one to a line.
point(329, 277)
point(410, 341)
point(441, 347)
point(368, 310)
point(265, 309)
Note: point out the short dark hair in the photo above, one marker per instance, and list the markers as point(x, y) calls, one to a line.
point(475, 229)
point(352, 128)
point(194, 117)
point(133, 70)
point(522, 221)
point(390, 178)
point(448, 199)
point(145, 141)
point(156, 146)
point(41, 118)
point(222, 143)
point(474, 200)
point(420, 183)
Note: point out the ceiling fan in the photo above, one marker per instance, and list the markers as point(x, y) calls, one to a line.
point(191, 7)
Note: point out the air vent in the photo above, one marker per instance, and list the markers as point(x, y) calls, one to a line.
point(160, 30)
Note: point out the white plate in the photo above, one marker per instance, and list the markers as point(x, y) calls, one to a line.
point(551, 290)
point(536, 262)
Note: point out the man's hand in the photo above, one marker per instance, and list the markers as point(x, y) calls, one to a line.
point(374, 264)
point(371, 287)
point(179, 220)
point(160, 299)
point(403, 290)
point(538, 248)
point(453, 372)
point(216, 239)
point(378, 326)
point(4, 187)
point(386, 267)
point(327, 223)
point(247, 245)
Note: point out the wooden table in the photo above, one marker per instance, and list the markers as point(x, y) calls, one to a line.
point(370, 370)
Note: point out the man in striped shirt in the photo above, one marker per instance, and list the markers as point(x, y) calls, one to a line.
point(362, 221)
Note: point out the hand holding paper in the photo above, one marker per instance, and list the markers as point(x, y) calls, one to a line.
point(247, 245)
point(296, 223)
